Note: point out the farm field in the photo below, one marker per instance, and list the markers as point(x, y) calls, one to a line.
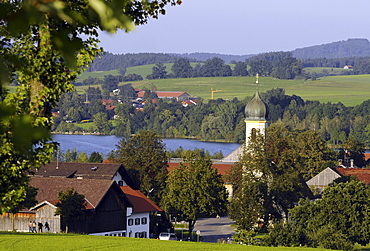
point(350, 90)
point(66, 242)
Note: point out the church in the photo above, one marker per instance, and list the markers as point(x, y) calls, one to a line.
point(256, 113)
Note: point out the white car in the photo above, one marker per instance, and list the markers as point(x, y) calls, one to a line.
point(168, 236)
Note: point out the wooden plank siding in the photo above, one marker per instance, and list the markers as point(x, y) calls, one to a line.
point(21, 221)
point(46, 213)
point(109, 215)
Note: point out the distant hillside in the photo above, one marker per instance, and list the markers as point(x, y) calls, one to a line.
point(357, 47)
point(203, 56)
point(343, 49)
point(109, 61)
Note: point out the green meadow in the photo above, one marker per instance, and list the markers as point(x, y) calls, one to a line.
point(66, 242)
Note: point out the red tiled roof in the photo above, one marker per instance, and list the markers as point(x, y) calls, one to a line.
point(140, 94)
point(49, 188)
point(141, 204)
point(367, 156)
point(222, 168)
point(363, 174)
point(169, 94)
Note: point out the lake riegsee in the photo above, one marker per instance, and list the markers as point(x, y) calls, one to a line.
point(105, 144)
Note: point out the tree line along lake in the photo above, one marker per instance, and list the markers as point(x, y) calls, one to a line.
point(105, 144)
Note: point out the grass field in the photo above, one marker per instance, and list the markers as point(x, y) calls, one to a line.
point(66, 242)
point(349, 89)
point(332, 71)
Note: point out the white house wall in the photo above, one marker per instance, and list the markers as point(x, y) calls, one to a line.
point(138, 230)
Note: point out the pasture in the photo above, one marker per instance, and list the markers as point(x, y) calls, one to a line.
point(350, 90)
point(66, 242)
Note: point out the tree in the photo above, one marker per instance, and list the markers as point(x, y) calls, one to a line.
point(101, 123)
point(240, 69)
point(82, 157)
point(270, 180)
point(195, 187)
point(47, 44)
point(158, 72)
point(144, 156)
point(110, 83)
point(95, 157)
point(27, 203)
point(70, 206)
point(338, 220)
point(182, 68)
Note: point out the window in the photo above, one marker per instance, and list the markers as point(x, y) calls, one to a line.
point(137, 221)
point(137, 235)
point(143, 234)
point(130, 222)
point(143, 221)
point(120, 183)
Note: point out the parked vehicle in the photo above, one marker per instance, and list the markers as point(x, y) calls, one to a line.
point(167, 236)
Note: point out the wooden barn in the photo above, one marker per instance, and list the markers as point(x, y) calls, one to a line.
point(16, 222)
point(106, 205)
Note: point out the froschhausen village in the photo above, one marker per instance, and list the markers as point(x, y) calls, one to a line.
point(299, 178)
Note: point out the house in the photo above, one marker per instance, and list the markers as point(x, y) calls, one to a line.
point(138, 222)
point(138, 216)
point(179, 96)
point(187, 102)
point(328, 175)
point(106, 210)
point(173, 95)
point(348, 67)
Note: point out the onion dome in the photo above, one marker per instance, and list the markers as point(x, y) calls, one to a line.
point(256, 109)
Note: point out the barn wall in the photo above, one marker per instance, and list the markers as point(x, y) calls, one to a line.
point(21, 221)
point(46, 214)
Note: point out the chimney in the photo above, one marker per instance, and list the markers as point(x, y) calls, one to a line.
point(352, 161)
point(340, 162)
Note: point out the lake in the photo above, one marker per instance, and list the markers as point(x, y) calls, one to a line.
point(105, 144)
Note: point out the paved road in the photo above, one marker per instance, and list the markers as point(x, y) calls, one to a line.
point(213, 229)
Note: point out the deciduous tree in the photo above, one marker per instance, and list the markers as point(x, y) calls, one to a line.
point(195, 187)
point(144, 156)
point(47, 43)
point(70, 206)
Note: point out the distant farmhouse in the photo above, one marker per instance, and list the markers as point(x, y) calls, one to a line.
point(330, 174)
point(114, 206)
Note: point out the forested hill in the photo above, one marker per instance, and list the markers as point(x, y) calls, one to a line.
point(203, 56)
point(342, 49)
point(350, 48)
point(110, 61)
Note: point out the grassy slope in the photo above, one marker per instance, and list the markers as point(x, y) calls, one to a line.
point(350, 90)
point(63, 242)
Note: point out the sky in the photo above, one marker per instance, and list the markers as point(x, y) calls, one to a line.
point(242, 27)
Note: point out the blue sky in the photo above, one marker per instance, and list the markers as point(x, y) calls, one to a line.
point(245, 27)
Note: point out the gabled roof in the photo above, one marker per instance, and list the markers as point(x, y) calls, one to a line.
point(363, 174)
point(163, 94)
point(141, 204)
point(93, 190)
point(102, 171)
point(50, 203)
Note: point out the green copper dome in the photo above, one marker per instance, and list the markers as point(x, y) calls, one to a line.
point(256, 109)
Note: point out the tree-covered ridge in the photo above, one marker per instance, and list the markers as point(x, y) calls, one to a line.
point(109, 61)
point(344, 53)
point(349, 48)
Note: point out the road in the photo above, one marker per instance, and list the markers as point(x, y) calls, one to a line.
point(213, 229)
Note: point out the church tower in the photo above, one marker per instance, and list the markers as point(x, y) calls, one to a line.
point(255, 115)
point(255, 119)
